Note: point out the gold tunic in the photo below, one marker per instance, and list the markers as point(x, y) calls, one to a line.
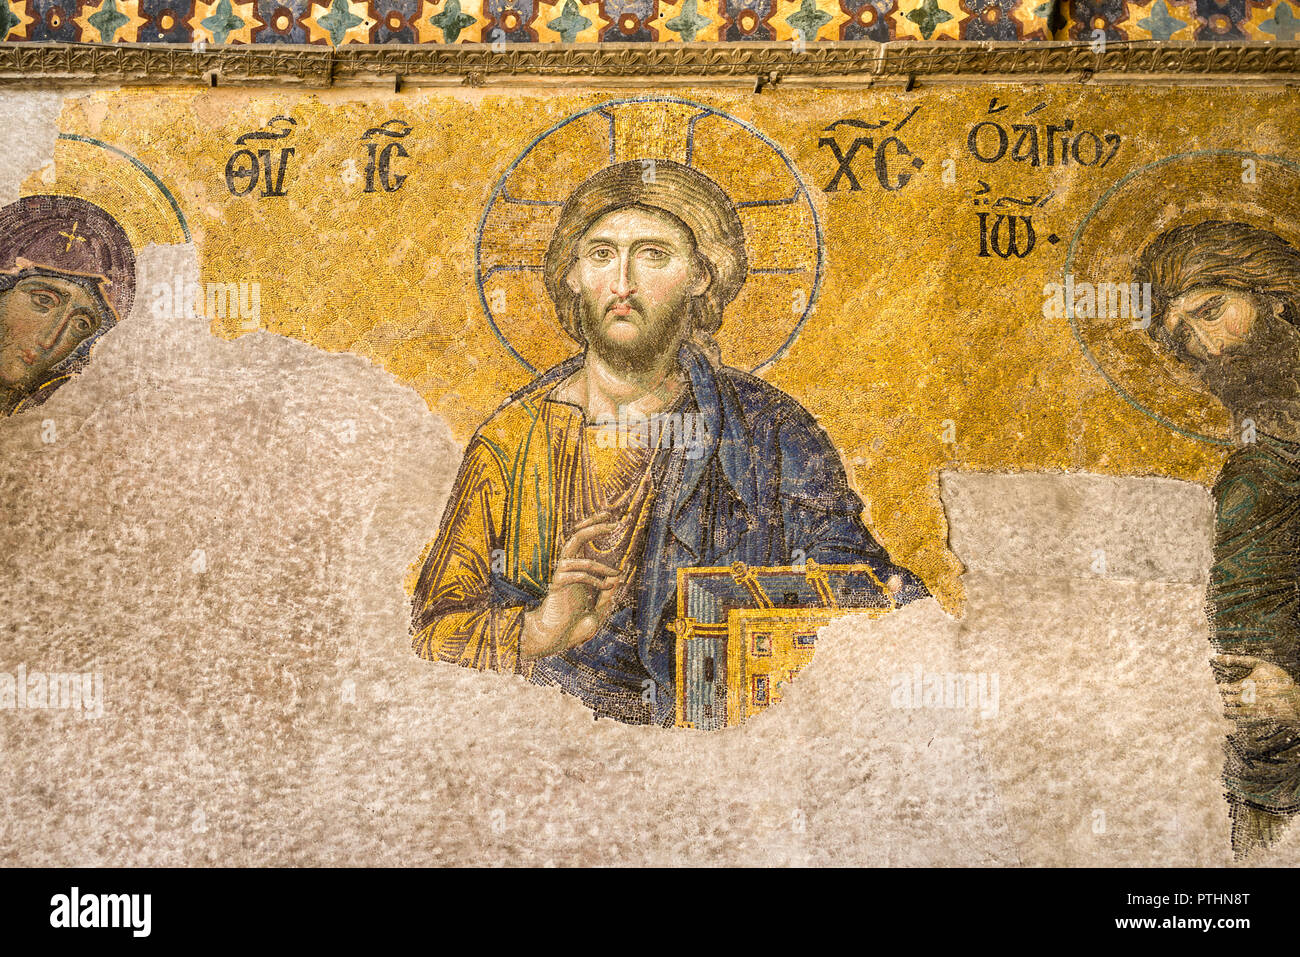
point(530, 475)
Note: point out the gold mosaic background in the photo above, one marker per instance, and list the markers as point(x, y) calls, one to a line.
point(915, 338)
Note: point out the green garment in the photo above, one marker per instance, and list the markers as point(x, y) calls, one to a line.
point(1254, 606)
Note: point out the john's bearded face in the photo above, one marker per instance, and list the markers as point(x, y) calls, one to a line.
point(1236, 343)
point(635, 274)
point(42, 321)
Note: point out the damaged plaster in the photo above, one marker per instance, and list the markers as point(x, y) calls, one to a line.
point(221, 530)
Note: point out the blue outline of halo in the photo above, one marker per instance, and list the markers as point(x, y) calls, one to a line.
point(1069, 262)
point(149, 174)
point(707, 110)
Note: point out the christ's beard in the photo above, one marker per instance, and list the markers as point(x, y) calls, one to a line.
point(644, 353)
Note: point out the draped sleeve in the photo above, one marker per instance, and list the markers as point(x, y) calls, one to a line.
point(463, 610)
point(822, 515)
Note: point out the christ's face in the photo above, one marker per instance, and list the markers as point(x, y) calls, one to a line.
point(636, 272)
point(42, 321)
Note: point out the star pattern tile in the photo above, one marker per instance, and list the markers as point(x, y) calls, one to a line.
point(339, 22)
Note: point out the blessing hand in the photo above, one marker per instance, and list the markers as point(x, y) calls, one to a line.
point(579, 598)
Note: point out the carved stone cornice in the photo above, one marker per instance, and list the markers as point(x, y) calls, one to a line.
point(42, 64)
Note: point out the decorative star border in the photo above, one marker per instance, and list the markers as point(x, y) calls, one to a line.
point(225, 21)
point(110, 21)
point(339, 22)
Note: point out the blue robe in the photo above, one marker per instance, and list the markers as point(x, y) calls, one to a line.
point(769, 485)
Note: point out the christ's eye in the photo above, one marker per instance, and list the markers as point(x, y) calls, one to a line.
point(602, 254)
point(654, 255)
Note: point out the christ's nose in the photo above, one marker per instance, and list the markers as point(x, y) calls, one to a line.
point(622, 284)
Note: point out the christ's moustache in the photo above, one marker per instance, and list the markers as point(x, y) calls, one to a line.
point(631, 302)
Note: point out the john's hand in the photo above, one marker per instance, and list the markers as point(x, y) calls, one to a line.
point(1266, 693)
point(579, 598)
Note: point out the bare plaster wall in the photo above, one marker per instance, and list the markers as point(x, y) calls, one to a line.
point(221, 530)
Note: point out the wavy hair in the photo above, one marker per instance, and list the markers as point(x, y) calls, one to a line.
point(683, 194)
point(1217, 253)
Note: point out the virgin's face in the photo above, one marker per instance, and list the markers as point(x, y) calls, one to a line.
point(635, 273)
point(42, 321)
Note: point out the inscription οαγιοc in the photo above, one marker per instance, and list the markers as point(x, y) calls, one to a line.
point(990, 142)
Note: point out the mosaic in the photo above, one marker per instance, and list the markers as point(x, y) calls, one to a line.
point(340, 22)
point(707, 352)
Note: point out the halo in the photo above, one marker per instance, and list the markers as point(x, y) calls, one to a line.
point(1235, 185)
point(783, 235)
point(117, 183)
point(125, 190)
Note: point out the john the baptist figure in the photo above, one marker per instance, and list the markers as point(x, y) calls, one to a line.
point(1226, 301)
